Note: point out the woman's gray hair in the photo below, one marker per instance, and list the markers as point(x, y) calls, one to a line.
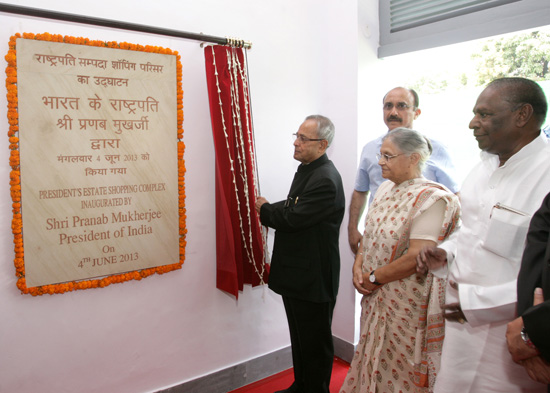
point(325, 128)
point(410, 141)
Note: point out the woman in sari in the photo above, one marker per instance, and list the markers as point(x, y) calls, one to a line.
point(402, 325)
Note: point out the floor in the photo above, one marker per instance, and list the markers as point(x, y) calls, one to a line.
point(285, 378)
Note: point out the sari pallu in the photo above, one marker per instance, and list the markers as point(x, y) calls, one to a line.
point(402, 325)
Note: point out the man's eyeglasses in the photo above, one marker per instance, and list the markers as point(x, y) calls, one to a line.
point(304, 139)
point(386, 157)
point(401, 106)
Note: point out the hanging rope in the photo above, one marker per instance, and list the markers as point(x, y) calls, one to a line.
point(239, 74)
point(231, 97)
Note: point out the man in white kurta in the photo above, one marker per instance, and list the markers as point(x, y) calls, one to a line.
point(498, 199)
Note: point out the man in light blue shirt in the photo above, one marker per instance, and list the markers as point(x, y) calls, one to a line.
point(400, 106)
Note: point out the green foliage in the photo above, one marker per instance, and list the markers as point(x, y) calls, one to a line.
point(430, 84)
point(524, 55)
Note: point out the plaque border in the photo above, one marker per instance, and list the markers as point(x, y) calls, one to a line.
point(15, 175)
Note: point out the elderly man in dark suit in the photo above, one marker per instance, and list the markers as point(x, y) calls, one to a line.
point(528, 336)
point(305, 265)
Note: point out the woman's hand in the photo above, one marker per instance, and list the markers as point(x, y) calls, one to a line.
point(358, 278)
point(363, 286)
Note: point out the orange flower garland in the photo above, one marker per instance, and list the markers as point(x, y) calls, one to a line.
point(15, 181)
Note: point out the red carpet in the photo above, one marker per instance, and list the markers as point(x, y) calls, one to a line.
point(285, 378)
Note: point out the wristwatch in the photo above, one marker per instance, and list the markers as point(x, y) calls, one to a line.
point(525, 338)
point(372, 278)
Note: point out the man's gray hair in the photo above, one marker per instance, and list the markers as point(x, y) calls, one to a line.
point(325, 128)
point(410, 141)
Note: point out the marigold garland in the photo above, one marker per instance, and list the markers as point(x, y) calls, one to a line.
point(15, 181)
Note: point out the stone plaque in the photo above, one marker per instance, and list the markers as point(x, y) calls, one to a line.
point(99, 170)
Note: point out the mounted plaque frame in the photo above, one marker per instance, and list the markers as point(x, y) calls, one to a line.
point(97, 179)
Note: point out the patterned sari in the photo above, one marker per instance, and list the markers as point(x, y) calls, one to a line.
point(402, 324)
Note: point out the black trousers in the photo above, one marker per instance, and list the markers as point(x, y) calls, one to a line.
point(312, 347)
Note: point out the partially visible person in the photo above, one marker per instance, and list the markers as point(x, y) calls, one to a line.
point(528, 336)
point(401, 319)
point(400, 109)
point(305, 265)
point(498, 198)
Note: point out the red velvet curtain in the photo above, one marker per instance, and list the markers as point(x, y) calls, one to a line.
point(240, 244)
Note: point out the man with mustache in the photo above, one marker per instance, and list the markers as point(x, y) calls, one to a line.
point(400, 109)
point(482, 258)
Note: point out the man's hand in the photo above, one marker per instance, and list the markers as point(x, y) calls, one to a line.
point(538, 369)
point(259, 202)
point(516, 346)
point(453, 312)
point(358, 203)
point(430, 258)
point(354, 238)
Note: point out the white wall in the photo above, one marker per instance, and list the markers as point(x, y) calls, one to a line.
point(164, 330)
